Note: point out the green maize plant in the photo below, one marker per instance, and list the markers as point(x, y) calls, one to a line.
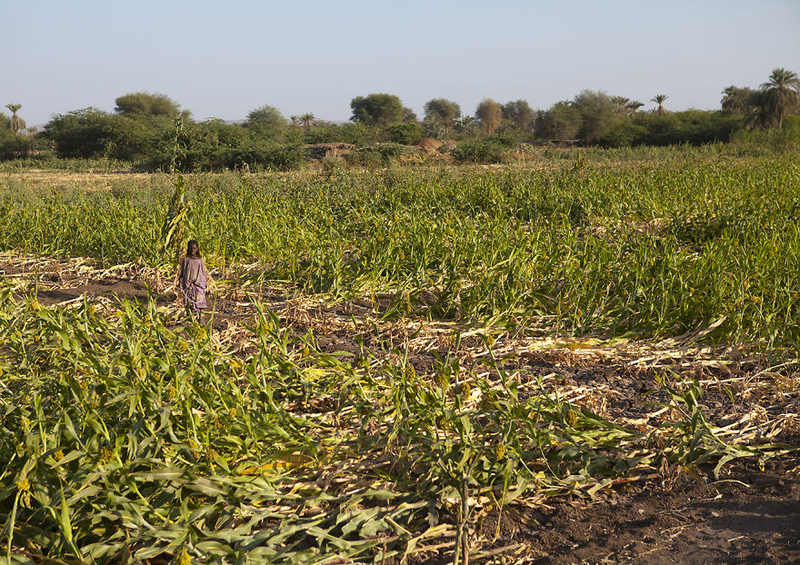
point(127, 438)
point(624, 247)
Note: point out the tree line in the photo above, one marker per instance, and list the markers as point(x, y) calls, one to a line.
point(153, 131)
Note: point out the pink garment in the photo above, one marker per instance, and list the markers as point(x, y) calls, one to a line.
point(193, 279)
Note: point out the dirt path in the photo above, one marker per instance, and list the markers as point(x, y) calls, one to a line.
point(748, 514)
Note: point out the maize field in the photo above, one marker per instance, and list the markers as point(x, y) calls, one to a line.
point(395, 359)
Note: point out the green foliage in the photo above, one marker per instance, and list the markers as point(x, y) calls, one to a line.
point(406, 133)
point(118, 416)
point(490, 150)
point(214, 145)
point(356, 134)
point(80, 133)
point(11, 145)
point(722, 233)
point(377, 109)
point(15, 123)
point(380, 155)
point(141, 104)
point(781, 95)
point(266, 122)
point(737, 100)
point(692, 126)
point(659, 99)
point(598, 112)
point(519, 113)
point(443, 110)
point(765, 141)
point(561, 121)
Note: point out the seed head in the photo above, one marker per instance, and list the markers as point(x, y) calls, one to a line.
point(572, 417)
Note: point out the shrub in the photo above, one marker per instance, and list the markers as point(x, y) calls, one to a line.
point(406, 133)
point(482, 151)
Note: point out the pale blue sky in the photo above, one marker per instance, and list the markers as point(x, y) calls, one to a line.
point(315, 56)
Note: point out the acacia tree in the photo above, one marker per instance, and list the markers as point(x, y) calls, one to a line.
point(781, 94)
point(16, 122)
point(490, 115)
point(377, 109)
point(659, 99)
point(138, 104)
point(266, 121)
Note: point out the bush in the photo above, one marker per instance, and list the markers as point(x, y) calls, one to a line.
point(786, 139)
point(406, 133)
point(379, 155)
point(482, 151)
point(355, 134)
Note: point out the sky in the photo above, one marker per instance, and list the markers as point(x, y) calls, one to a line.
point(224, 59)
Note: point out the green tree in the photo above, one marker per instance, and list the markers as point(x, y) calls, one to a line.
point(520, 113)
point(621, 105)
point(16, 123)
point(406, 133)
point(81, 133)
point(446, 111)
point(781, 94)
point(139, 104)
point(466, 127)
point(561, 121)
point(266, 121)
point(659, 99)
point(737, 100)
point(307, 120)
point(634, 106)
point(599, 114)
point(490, 115)
point(377, 109)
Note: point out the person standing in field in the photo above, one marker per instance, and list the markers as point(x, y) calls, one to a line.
point(193, 279)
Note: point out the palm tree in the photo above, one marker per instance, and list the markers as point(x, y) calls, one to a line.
point(757, 111)
point(295, 120)
point(659, 99)
point(307, 119)
point(737, 100)
point(634, 106)
point(621, 105)
point(16, 123)
point(782, 94)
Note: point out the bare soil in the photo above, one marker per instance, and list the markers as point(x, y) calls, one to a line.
point(750, 513)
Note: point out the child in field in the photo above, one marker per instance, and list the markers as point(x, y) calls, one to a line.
point(193, 279)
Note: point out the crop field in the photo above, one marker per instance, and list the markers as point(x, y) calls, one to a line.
point(572, 361)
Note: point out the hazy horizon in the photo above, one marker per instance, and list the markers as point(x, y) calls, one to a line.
point(314, 56)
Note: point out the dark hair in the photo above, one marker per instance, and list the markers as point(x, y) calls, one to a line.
point(193, 244)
